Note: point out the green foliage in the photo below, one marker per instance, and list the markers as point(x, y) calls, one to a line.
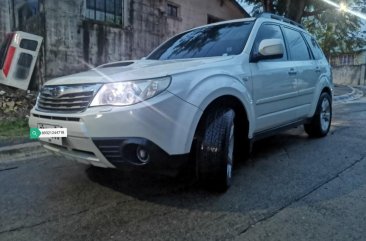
point(336, 31)
point(14, 128)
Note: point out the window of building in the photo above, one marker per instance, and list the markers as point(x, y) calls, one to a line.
point(298, 48)
point(110, 11)
point(25, 9)
point(31, 5)
point(172, 10)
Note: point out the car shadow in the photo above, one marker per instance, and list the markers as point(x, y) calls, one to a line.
point(274, 176)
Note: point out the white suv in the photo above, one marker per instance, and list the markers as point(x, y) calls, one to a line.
point(210, 91)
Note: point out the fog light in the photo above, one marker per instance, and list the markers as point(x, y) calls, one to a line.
point(142, 154)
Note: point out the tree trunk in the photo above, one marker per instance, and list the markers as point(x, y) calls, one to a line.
point(268, 6)
point(295, 9)
point(288, 5)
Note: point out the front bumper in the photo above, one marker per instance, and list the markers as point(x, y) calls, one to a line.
point(164, 123)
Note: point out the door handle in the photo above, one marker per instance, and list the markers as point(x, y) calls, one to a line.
point(317, 70)
point(292, 72)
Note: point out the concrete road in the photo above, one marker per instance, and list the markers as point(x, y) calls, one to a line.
point(292, 188)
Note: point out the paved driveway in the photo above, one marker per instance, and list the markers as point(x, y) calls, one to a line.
point(293, 188)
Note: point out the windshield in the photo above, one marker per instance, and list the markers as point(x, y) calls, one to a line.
point(216, 40)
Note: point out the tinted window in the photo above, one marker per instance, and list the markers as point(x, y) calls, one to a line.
point(28, 44)
point(296, 44)
point(268, 31)
point(217, 40)
point(317, 52)
point(23, 66)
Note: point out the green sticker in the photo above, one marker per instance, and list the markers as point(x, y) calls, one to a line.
point(34, 133)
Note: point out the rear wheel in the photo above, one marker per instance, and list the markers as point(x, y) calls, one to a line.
point(215, 152)
point(321, 121)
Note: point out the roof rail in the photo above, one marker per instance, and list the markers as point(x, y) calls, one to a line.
point(280, 18)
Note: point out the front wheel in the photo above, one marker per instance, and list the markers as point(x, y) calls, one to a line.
point(320, 123)
point(216, 149)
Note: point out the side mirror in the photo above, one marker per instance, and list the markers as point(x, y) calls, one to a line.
point(268, 49)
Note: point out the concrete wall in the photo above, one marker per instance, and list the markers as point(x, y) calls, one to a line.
point(194, 13)
point(349, 75)
point(361, 57)
point(77, 43)
point(74, 43)
point(5, 24)
point(149, 26)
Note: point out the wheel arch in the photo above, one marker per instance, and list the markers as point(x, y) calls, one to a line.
point(327, 90)
point(242, 118)
point(323, 86)
point(208, 92)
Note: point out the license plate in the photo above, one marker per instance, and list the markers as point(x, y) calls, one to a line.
point(52, 140)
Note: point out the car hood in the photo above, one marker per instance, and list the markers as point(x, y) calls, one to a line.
point(136, 70)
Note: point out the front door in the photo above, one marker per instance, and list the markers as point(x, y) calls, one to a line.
point(274, 85)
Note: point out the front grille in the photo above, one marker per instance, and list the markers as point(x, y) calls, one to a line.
point(66, 98)
point(57, 117)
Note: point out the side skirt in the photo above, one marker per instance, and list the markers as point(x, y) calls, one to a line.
point(267, 133)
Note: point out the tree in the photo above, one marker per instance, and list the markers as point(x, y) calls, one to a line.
point(337, 31)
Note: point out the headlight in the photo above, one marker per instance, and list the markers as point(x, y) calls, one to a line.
point(129, 93)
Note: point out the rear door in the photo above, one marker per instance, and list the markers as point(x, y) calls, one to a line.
point(18, 56)
point(322, 66)
point(307, 75)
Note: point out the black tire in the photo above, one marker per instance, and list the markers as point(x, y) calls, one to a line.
point(321, 121)
point(215, 150)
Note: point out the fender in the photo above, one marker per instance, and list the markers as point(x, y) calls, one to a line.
point(323, 83)
point(202, 92)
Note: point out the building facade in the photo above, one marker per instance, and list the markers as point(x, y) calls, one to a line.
point(79, 34)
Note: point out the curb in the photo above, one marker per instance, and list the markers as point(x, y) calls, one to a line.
point(22, 152)
point(362, 87)
point(355, 94)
